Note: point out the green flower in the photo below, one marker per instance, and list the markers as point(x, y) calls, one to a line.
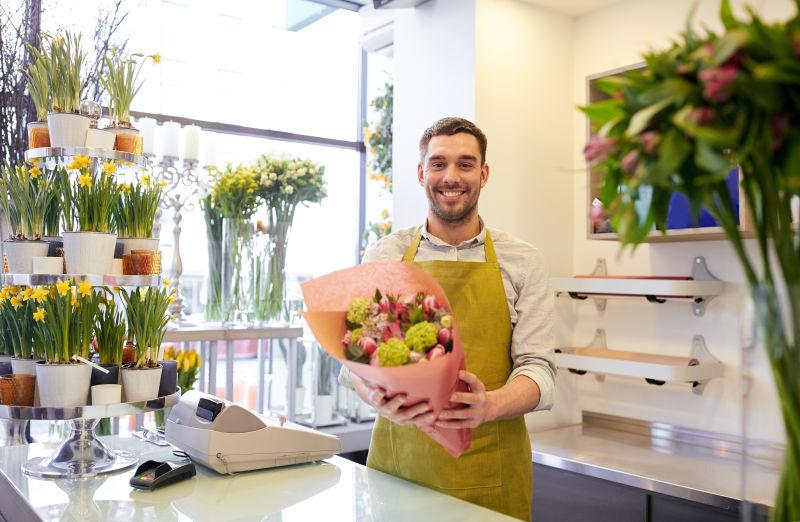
point(356, 336)
point(393, 352)
point(359, 310)
point(421, 336)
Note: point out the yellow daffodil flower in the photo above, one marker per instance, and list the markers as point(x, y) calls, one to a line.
point(166, 282)
point(85, 288)
point(156, 58)
point(81, 161)
point(35, 172)
point(39, 294)
point(13, 290)
point(16, 302)
point(109, 167)
point(84, 180)
point(39, 314)
point(62, 287)
point(27, 293)
point(145, 180)
point(75, 303)
point(162, 183)
point(4, 293)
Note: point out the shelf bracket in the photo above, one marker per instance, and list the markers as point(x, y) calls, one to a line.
point(700, 272)
point(600, 268)
point(703, 355)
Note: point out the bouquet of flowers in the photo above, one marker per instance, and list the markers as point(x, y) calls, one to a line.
point(390, 331)
point(358, 325)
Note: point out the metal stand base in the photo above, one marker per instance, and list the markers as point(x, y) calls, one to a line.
point(80, 455)
point(15, 433)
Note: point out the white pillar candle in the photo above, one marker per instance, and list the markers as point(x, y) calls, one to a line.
point(209, 149)
point(147, 128)
point(191, 140)
point(169, 139)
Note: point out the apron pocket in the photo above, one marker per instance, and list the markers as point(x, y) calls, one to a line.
point(477, 468)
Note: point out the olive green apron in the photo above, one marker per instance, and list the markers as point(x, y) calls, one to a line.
point(496, 471)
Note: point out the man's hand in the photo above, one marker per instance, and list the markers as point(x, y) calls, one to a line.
point(420, 414)
point(478, 405)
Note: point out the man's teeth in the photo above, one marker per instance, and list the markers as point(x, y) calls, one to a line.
point(450, 193)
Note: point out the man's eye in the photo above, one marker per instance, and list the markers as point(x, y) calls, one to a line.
point(466, 166)
point(437, 165)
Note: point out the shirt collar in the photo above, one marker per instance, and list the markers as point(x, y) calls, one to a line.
point(475, 241)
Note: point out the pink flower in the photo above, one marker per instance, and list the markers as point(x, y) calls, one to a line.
point(630, 161)
point(597, 213)
point(346, 339)
point(415, 356)
point(718, 82)
point(650, 141)
point(429, 304)
point(368, 344)
point(703, 115)
point(599, 148)
point(436, 351)
point(444, 336)
point(383, 306)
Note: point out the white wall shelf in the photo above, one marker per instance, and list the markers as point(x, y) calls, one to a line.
point(697, 369)
point(698, 288)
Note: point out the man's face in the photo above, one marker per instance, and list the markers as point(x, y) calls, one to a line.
point(453, 176)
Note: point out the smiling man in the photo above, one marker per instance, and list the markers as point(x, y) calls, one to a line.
point(497, 286)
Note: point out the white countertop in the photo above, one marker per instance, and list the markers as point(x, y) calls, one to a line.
point(333, 490)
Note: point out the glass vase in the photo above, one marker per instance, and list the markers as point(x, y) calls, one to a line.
point(213, 310)
point(770, 394)
point(236, 288)
point(276, 310)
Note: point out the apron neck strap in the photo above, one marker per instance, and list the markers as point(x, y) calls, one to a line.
point(411, 251)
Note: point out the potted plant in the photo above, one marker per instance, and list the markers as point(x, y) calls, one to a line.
point(110, 334)
point(16, 308)
point(38, 76)
point(135, 213)
point(121, 81)
point(146, 312)
point(64, 325)
point(67, 127)
point(711, 103)
point(25, 196)
point(88, 201)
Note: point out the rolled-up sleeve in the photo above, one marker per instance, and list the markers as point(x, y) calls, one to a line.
point(532, 342)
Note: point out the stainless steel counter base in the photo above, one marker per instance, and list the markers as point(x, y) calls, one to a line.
point(688, 464)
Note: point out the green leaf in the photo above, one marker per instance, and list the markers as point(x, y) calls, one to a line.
point(378, 296)
point(416, 315)
point(672, 152)
point(726, 15)
point(792, 163)
point(727, 45)
point(676, 89)
point(611, 84)
point(603, 111)
point(641, 119)
point(709, 159)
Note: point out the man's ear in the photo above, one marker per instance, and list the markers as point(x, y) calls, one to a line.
point(484, 174)
point(420, 174)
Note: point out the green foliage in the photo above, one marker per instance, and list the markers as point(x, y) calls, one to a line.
point(26, 196)
point(146, 312)
point(111, 331)
point(135, 208)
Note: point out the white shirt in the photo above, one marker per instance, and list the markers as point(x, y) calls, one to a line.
point(526, 284)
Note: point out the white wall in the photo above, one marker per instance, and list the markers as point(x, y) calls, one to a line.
point(434, 54)
point(523, 62)
point(603, 40)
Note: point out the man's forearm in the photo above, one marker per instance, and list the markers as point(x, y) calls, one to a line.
point(517, 397)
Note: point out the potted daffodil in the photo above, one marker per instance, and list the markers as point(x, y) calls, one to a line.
point(135, 213)
point(110, 334)
point(121, 81)
point(67, 127)
point(38, 76)
point(88, 201)
point(146, 312)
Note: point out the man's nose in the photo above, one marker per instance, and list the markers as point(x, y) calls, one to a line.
point(451, 174)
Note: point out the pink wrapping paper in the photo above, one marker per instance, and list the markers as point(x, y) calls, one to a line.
point(327, 299)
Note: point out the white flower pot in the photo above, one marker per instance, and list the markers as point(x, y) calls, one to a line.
point(89, 252)
point(140, 384)
point(323, 409)
point(23, 366)
point(21, 253)
point(63, 385)
point(67, 130)
point(48, 265)
point(100, 139)
point(137, 243)
point(106, 394)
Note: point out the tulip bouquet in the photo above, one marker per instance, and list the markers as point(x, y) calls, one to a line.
point(390, 331)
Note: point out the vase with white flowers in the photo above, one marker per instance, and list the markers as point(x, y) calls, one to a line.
point(26, 195)
point(88, 197)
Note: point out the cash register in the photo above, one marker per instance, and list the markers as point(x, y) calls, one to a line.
point(229, 439)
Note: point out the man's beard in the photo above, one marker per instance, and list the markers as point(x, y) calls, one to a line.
point(455, 216)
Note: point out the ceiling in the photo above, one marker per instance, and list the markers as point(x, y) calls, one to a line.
point(573, 7)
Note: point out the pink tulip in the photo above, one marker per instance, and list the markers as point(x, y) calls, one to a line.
point(650, 141)
point(599, 148)
point(383, 306)
point(436, 351)
point(429, 304)
point(368, 344)
point(346, 339)
point(630, 161)
point(444, 336)
point(718, 82)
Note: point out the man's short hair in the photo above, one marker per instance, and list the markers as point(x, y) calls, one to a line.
point(450, 127)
